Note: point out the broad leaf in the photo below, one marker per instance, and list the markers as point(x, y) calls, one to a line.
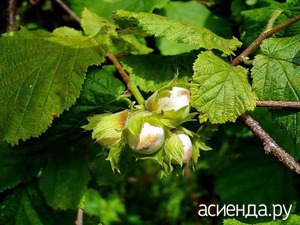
point(276, 77)
point(18, 165)
point(25, 206)
point(220, 92)
point(146, 24)
point(41, 76)
point(64, 180)
point(194, 13)
point(152, 72)
point(101, 92)
point(105, 8)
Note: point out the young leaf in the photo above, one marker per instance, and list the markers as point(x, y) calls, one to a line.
point(65, 179)
point(25, 206)
point(220, 92)
point(41, 76)
point(276, 77)
point(194, 13)
point(92, 23)
point(152, 72)
point(159, 26)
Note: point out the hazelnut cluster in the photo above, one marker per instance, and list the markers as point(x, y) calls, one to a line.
point(155, 128)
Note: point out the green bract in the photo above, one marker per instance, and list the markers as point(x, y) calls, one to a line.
point(170, 101)
point(144, 133)
point(187, 145)
point(107, 128)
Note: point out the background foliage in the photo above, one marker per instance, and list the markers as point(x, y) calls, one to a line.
point(52, 80)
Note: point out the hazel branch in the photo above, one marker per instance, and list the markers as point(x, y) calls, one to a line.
point(130, 84)
point(261, 37)
point(11, 20)
point(278, 104)
point(270, 146)
point(68, 10)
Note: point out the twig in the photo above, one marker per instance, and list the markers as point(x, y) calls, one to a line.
point(70, 11)
point(278, 104)
point(270, 146)
point(11, 20)
point(79, 220)
point(209, 4)
point(130, 84)
point(261, 37)
point(118, 66)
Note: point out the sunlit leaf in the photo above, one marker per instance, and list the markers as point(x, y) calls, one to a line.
point(147, 24)
point(220, 92)
point(41, 76)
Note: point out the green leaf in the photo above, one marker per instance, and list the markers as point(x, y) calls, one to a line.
point(152, 72)
point(128, 43)
point(150, 24)
point(108, 209)
point(256, 20)
point(276, 77)
point(18, 165)
point(41, 76)
point(25, 206)
point(194, 13)
point(120, 43)
point(64, 180)
point(101, 92)
point(105, 8)
point(92, 23)
point(220, 92)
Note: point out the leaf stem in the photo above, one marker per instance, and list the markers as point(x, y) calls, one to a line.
point(68, 10)
point(270, 146)
point(11, 20)
point(130, 84)
point(265, 34)
point(272, 19)
point(278, 104)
